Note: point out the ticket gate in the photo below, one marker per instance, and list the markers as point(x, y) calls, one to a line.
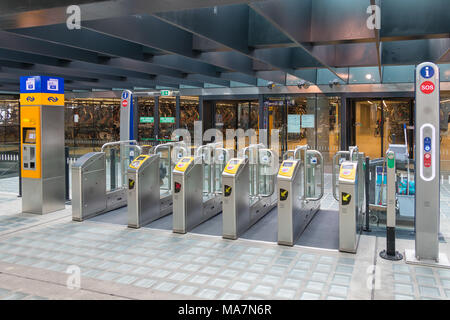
point(197, 193)
point(143, 191)
point(301, 186)
point(351, 197)
point(89, 193)
point(150, 184)
point(248, 185)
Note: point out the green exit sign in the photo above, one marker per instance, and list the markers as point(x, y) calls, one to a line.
point(166, 93)
point(146, 120)
point(167, 120)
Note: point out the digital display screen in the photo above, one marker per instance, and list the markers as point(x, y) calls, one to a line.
point(235, 161)
point(287, 164)
point(347, 166)
point(186, 160)
point(29, 135)
point(140, 158)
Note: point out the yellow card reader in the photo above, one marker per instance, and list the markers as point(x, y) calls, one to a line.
point(183, 164)
point(136, 163)
point(233, 165)
point(348, 171)
point(287, 168)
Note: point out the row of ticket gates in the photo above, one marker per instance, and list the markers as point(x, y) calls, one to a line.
point(195, 184)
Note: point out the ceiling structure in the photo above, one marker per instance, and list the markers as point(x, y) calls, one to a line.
point(214, 43)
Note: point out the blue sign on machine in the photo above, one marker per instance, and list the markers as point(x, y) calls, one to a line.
point(427, 144)
point(427, 72)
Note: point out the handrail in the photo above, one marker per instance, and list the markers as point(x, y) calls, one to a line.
point(287, 152)
point(300, 147)
point(162, 145)
point(245, 149)
point(352, 149)
point(122, 142)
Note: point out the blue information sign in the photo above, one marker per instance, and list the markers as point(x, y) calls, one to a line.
point(427, 72)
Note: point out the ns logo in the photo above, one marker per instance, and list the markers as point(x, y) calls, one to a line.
point(52, 99)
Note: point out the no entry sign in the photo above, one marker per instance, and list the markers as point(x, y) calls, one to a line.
point(124, 103)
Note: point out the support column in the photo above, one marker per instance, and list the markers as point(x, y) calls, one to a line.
point(343, 123)
point(177, 112)
point(156, 117)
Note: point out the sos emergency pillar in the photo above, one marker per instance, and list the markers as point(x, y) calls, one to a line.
point(427, 171)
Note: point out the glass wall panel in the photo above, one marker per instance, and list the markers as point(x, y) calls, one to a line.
point(393, 74)
point(275, 107)
point(324, 76)
point(167, 111)
point(328, 128)
point(397, 113)
point(297, 107)
point(189, 113)
point(146, 127)
point(91, 122)
point(9, 142)
point(364, 75)
point(226, 117)
point(9, 121)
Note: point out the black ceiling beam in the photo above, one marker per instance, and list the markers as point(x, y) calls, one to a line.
point(174, 40)
point(44, 48)
point(407, 20)
point(17, 13)
point(286, 16)
point(228, 25)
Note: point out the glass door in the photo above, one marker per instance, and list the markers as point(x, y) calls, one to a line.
point(275, 107)
point(368, 127)
point(380, 122)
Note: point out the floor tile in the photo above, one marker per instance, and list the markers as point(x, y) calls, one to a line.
point(309, 296)
point(145, 283)
point(185, 290)
point(240, 286)
point(263, 289)
point(285, 294)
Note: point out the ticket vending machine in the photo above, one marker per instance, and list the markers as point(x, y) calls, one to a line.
point(42, 144)
point(143, 191)
point(349, 207)
point(427, 173)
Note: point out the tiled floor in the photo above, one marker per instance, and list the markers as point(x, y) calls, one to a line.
point(129, 263)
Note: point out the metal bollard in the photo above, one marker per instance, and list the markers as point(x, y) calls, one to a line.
point(112, 169)
point(366, 190)
point(66, 157)
point(390, 253)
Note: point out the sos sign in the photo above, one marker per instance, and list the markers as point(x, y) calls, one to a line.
point(427, 87)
